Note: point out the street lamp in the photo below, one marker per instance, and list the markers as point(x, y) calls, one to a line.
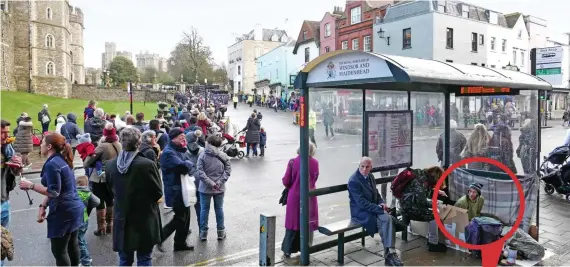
point(511, 67)
point(381, 33)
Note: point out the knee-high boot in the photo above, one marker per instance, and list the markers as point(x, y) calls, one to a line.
point(100, 223)
point(109, 220)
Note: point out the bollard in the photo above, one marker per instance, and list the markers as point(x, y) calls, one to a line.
point(267, 240)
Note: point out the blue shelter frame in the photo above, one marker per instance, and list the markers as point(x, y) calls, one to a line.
point(349, 69)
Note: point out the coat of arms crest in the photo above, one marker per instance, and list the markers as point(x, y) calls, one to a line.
point(331, 72)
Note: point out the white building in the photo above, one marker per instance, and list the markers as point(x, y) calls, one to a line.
point(242, 70)
point(148, 60)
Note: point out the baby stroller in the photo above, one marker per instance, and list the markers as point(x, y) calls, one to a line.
point(230, 147)
point(555, 172)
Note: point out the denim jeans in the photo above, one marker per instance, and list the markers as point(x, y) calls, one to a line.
point(205, 200)
point(5, 214)
point(144, 258)
point(85, 257)
point(253, 147)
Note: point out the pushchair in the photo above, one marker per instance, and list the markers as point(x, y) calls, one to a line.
point(232, 144)
point(555, 172)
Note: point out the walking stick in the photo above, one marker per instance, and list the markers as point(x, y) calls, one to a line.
point(30, 200)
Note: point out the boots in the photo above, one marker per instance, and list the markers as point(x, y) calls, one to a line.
point(109, 220)
point(100, 223)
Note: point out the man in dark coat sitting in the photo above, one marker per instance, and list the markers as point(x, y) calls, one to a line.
point(368, 209)
point(135, 180)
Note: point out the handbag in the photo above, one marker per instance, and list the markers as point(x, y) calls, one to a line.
point(285, 193)
point(188, 190)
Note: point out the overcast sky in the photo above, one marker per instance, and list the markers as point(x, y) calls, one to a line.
point(156, 26)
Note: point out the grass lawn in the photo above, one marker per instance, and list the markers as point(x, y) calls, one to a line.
point(14, 103)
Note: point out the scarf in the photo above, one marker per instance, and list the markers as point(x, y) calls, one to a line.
point(110, 135)
point(177, 147)
point(124, 160)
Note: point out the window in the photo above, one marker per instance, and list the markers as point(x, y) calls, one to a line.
point(304, 35)
point(327, 30)
point(71, 77)
point(522, 58)
point(239, 86)
point(71, 55)
point(474, 42)
point(481, 39)
point(239, 69)
point(407, 38)
point(344, 45)
point(465, 11)
point(49, 14)
point(493, 66)
point(307, 55)
point(449, 38)
point(50, 69)
point(474, 64)
point(520, 34)
point(492, 43)
point(49, 41)
point(327, 49)
point(483, 64)
point(449, 60)
point(367, 43)
point(276, 74)
point(355, 15)
point(3, 6)
point(514, 57)
point(504, 46)
point(441, 7)
point(355, 44)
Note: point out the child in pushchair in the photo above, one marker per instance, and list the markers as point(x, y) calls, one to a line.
point(555, 172)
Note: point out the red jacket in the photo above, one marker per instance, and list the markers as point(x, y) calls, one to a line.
point(204, 125)
point(85, 150)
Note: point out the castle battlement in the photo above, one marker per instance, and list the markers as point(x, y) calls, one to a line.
point(75, 15)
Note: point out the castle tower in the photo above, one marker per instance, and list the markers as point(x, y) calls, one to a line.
point(76, 38)
point(42, 48)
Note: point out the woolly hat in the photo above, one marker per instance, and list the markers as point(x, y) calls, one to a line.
point(109, 130)
point(175, 132)
point(477, 187)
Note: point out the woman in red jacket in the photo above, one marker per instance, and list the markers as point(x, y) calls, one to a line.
point(203, 123)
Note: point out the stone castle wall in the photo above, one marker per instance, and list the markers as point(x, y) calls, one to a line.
point(88, 92)
point(7, 80)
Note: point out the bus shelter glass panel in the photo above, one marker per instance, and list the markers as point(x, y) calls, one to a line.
point(429, 123)
point(501, 127)
point(338, 139)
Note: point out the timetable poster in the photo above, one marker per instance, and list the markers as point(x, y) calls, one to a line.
point(390, 139)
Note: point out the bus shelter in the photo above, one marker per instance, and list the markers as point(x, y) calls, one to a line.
point(356, 70)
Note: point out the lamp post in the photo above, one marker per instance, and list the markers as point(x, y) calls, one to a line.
point(206, 90)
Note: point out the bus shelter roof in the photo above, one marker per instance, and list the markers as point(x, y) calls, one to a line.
point(363, 70)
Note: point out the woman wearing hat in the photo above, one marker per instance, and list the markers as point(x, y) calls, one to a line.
point(473, 202)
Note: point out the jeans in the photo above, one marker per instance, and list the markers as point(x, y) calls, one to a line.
point(45, 127)
point(328, 127)
point(386, 230)
point(144, 258)
point(5, 213)
point(253, 147)
point(312, 136)
point(433, 235)
point(66, 250)
point(85, 257)
point(205, 200)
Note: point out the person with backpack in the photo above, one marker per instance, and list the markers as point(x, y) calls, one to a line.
point(44, 118)
point(369, 209)
point(414, 189)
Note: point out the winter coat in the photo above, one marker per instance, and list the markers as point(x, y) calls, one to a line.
point(174, 162)
point(41, 114)
point(213, 168)
point(88, 113)
point(364, 201)
point(527, 148)
point(262, 138)
point(94, 127)
point(104, 152)
point(328, 116)
point(161, 139)
point(473, 207)
point(149, 152)
point(70, 130)
point(59, 122)
point(137, 223)
point(140, 126)
point(292, 181)
point(252, 135)
point(501, 149)
point(24, 142)
point(90, 200)
point(414, 202)
point(203, 124)
point(195, 150)
point(457, 145)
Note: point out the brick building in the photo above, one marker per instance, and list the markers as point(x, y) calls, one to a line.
point(355, 26)
point(328, 33)
point(41, 47)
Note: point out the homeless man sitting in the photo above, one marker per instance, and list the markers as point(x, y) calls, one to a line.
point(368, 209)
point(473, 202)
point(416, 203)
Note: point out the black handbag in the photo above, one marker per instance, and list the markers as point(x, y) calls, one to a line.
point(285, 193)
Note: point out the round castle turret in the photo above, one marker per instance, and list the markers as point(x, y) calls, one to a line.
point(76, 29)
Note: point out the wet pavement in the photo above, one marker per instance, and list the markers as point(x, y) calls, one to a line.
point(255, 187)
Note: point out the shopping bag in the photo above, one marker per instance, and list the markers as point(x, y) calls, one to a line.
point(188, 190)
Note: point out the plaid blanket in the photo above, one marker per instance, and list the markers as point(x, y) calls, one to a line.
point(501, 196)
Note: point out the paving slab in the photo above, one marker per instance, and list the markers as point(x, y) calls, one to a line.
point(364, 257)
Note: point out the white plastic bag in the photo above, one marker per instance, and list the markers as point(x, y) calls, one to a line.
point(188, 190)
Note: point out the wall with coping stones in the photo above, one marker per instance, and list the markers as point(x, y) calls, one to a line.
point(88, 92)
